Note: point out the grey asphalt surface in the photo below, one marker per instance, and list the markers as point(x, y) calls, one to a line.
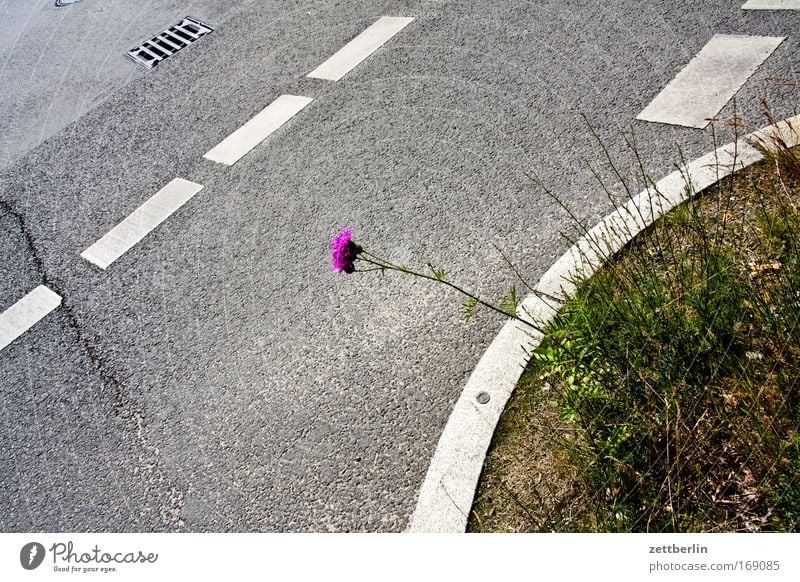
point(219, 376)
point(57, 63)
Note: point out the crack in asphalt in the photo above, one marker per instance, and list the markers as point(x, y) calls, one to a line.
point(149, 460)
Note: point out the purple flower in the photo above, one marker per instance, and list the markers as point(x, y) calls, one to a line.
point(344, 252)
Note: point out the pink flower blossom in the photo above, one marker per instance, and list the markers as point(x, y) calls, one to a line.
point(344, 252)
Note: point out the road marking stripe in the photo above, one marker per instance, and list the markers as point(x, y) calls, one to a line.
point(22, 316)
point(771, 5)
point(362, 46)
point(252, 133)
point(710, 80)
point(141, 221)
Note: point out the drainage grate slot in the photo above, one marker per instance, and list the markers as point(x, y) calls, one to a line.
point(167, 35)
point(167, 43)
point(183, 35)
point(164, 40)
point(154, 49)
point(147, 55)
point(166, 46)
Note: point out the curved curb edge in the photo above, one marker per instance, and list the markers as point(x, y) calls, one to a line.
point(446, 496)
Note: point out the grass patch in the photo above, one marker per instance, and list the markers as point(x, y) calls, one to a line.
point(665, 395)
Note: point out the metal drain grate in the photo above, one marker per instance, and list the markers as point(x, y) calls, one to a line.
point(163, 45)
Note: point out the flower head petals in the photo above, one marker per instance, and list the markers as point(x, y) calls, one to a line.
point(344, 251)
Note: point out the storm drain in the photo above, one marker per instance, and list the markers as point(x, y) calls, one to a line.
point(163, 45)
point(66, 2)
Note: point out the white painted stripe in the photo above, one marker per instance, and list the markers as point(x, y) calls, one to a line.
point(446, 496)
point(362, 46)
point(144, 219)
point(710, 80)
point(21, 316)
point(252, 133)
point(771, 5)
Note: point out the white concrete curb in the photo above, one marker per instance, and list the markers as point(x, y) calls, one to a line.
point(446, 496)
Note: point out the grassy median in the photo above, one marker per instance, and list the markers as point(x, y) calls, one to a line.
point(665, 395)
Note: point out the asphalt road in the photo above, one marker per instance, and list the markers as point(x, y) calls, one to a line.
point(219, 376)
point(57, 63)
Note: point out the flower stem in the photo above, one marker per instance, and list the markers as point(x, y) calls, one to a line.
point(383, 264)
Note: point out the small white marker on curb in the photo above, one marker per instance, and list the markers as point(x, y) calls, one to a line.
point(362, 46)
point(446, 496)
point(26, 312)
point(240, 142)
point(141, 221)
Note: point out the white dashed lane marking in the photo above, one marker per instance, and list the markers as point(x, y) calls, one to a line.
point(144, 219)
point(771, 5)
point(252, 133)
point(362, 46)
point(21, 316)
point(710, 80)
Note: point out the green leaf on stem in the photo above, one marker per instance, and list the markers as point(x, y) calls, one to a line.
point(468, 309)
point(508, 303)
point(438, 274)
